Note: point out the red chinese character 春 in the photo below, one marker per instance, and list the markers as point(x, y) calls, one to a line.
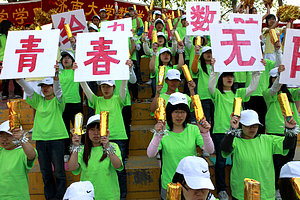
point(101, 60)
point(115, 26)
point(75, 25)
point(203, 18)
point(236, 49)
point(296, 55)
point(29, 52)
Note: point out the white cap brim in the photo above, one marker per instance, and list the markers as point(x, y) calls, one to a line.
point(199, 182)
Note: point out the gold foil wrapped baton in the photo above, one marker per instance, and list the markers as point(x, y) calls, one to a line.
point(163, 3)
point(178, 13)
point(198, 41)
point(78, 124)
point(68, 30)
point(170, 24)
point(237, 106)
point(174, 191)
point(103, 123)
point(161, 75)
point(173, 15)
point(146, 27)
point(273, 35)
point(177, 36)
point(147, 9)
point(163, 16)
point(160, 112)
point(134, 7)
point(154, 37)
point(285, 105)
point(187, 73)
point(252, 189)
point(296, 185)
point(152, 5)
point(198, 107)
point(14, 107)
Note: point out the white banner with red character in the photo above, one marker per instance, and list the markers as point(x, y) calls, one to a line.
point(200, 15)
point(121, 26)
point(102, 56)
point(76, 21)
point(236, 47)
point(30, 54)
point(291, 58)
point(235, 18)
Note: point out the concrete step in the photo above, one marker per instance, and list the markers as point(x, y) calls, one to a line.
point(140, 138)
point(144, 67)
point(141, 114)
point(144, 91)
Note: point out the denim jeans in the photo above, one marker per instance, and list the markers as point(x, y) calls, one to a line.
point(52, 152)
point(220, 163)
point(122, 176)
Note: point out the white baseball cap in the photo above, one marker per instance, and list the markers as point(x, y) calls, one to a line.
point(183, 17)
point(92, 119)
point(205, 49)
point(46, 81)
point(97, 16)
point(274, 72)
point(159, 21)
point(4, 127)
point(195, 172)
point(69, 53)
point(249, 117)
point(157, 12)
point(80, 190)
point(93, 26)
point(177, 98)
point(290, 170)
point(108, 82)
point(163, 50)
point(161, 34)
point(173, 74)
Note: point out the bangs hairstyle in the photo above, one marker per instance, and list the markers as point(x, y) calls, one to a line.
point(220, 82)
point(268, 17)
point(88, 144)
point(203, 63)
point(165, 42)
point(169, 63)
point(283, 89)
point(65, 56)
point(170, 108)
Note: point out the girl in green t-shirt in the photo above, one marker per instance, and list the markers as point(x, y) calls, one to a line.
point(180, 140)
point(98, 162)
point(252, 152)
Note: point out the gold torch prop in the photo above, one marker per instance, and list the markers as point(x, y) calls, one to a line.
point(237, 106)
point(177, 36)
point(68, 30)
point(154, 37)
point(273, 37)
point(187, 73)
point(251, 189)
point(174, 191)
point(296, 185)
point(146, 27)
point(14, 107)
point(152, 5)
point(160, 112)
point(198, 41)
point(285, 106)
point(78, 122)
point(198, 107)
point(103, 123)
point(161, 75)
point(170, 24)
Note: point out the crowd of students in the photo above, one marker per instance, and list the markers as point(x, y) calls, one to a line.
point(101, 160)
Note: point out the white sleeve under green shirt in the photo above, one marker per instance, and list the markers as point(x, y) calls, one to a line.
point(253, 159)
point(14, 169)
point(69, 87)
point(115, 120)
point(48, 121)
point(102, 174)
point(274, 118)
point(176, 146)
point(224, 106)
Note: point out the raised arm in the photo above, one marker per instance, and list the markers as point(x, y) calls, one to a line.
point(132, 76)
point(276, 85)
point(87, 91)
point(57, 90)
point(212, 79)
point(73, 161)
point(181, 58)
point(174, 46)
point(153, 104)
point(26, 87)
point(204, 127)
point(153, 59)
point(194, 66)
point(154, 144)
point(253, 84)
point(27, 147)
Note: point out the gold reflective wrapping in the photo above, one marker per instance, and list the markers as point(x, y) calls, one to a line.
point(163, 16)
point(146, 27)
point(163, 3)
point(133, 31)
point(154, 17)
point(251, 189)
point(147, 9)
point(198, 41)
point(134, 7)
point(103, 122)
point(14, 107)
point(177, 36)
point(161, 75)
point(198, 107)
point(173, 15)
point(296, 185)
point(154, 37)
point(68, 30)
point(178, 13)
point(288, 12)
point(187, 73)
point(160, 112)
point(273, 37)
point(151, 5)
point(170, 24)
point(284, 105)
point(37, 28)
point(78, 122)
point(237, 106)
point(174, 191)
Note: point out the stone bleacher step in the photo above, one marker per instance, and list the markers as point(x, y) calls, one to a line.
point(140, 138)
point(141, 114)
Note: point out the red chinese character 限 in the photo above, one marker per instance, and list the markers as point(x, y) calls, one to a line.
point(101, 60)
point(203, 17)
point(296, 56)
point(115, 26)
point(28, 53)
point(236, 49)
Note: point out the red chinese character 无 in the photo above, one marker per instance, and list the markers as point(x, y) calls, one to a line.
point(29, 53)
point(75, 25)
point(203, 17)
point(296, 56)
point(101, 60)
point(115, 26)
point(236, 49)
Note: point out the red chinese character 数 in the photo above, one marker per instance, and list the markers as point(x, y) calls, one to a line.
point(236, 49)
point(115, 26)
point(203, 17)
point(29, 52)
point(296, 56)
point(101, 60)
point(75, 25)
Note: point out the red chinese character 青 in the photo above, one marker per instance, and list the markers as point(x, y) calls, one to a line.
point(296, 56)
point(203, 18)
point(101, 60)
point(28, 53)
point(75, 25)
point(236, 49)
point(115, 26)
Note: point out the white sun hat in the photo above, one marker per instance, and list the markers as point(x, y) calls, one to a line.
point(249, 117)
point(80, 190)
point(177, 98)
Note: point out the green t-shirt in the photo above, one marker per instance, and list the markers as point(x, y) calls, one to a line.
point(179, 23)
point(263, 83)
point(133, 56)
point(167, 68)
point(134, 24)
point(240, 77)
point(176, 146)
point(203, 78)
point(224, 107)
point(2, 46)
point(253, 159)
point(69, 87)
point(156, 61)
point(48, 121)
point(117, 91)
point(14, 170)
point(115, 120)
point(102, 174)
point(274, 117)
point(181, 31)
